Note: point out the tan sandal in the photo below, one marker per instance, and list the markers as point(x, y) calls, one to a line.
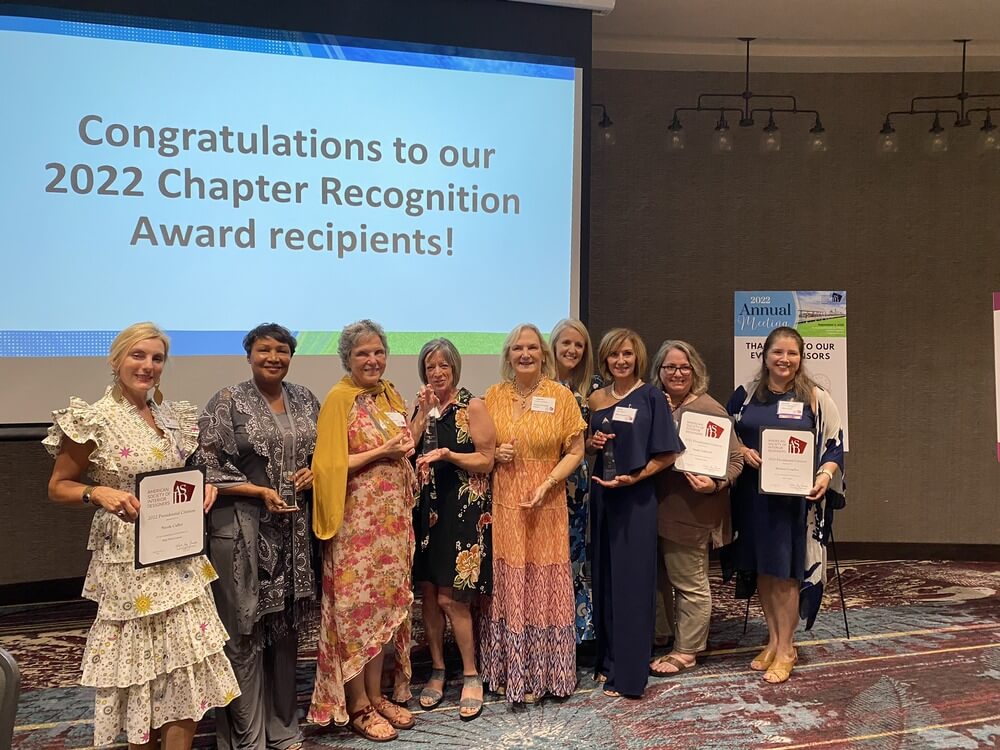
point(368, 718)
point(763, 660)
point(678, 666)
point(398, 716)
point(780, 670)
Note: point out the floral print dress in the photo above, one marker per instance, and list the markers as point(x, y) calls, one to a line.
point(155, 651)
point(454, 515)
point(367, 592)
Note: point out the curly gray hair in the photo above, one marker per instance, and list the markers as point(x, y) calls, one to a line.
point(353, 333)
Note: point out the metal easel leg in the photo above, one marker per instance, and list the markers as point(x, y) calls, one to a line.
point(840, 585)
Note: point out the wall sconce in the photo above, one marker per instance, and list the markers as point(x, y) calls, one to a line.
point(607, 132)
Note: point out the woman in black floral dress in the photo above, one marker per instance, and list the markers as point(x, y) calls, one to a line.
point(453, 560)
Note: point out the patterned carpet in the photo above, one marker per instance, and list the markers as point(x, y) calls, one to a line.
point(921, 670)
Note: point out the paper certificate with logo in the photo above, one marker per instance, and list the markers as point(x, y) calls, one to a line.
point(171, 522)
point(786, 461)
point(706, 444)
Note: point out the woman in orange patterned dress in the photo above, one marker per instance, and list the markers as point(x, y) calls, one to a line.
point(363, 499)
point(528, 642)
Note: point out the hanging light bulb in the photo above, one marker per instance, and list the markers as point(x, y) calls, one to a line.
point(770, 140)
point(722, 142)
point(676, 139)
point(817, 142)
point(937, 143)
point(888, 140)
point(989, 137)
point(607, 133)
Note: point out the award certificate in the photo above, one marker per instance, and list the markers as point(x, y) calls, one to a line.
point(787, 461)
point(706, 444)
point(171, 522)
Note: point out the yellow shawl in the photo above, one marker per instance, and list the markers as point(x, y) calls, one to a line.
point(329, 464)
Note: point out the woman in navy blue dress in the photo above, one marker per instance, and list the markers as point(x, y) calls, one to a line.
point(635, 419)
point(777, 536)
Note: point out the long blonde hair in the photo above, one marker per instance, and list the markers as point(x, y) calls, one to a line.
point(506, 371)
point(579, 378)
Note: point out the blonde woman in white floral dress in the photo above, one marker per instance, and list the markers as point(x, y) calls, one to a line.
point(155, 651)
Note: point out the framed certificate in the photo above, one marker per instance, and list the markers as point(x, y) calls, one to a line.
point(706, 444)
point(171, 522)
point(787, 461)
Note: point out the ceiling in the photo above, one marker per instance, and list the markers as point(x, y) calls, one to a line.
point(799, 35)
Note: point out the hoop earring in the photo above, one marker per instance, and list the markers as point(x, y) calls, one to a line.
point(157, 395)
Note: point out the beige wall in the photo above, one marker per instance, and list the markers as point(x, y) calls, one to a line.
point(915, 241)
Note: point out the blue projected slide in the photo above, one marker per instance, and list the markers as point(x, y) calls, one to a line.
point(208, 182)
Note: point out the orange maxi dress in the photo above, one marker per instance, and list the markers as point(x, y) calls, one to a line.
point(528, 641)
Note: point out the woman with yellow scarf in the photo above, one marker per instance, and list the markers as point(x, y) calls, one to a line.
point(363, 498)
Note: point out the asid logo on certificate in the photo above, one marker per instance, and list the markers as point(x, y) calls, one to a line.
point(171, 522)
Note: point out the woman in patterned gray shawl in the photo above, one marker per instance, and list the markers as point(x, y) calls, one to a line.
point(256, 442)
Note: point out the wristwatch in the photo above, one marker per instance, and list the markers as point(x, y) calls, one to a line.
point(88, 492)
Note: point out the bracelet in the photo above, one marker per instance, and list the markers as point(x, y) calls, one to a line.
point(827, 472)
point(551, 480)
point(88, 493)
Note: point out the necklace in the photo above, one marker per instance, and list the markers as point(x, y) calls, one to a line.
point(614, 395)
point(678, 406)
point(524, 396)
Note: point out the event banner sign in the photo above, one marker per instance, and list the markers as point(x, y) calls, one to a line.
point(996, 356)
point(821, 320)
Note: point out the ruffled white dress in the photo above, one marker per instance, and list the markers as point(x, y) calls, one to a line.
point(155, 651)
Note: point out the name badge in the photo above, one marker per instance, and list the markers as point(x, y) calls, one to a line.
point(623, 414)
point(397, 419)
point(790, 409)
point(544, 404)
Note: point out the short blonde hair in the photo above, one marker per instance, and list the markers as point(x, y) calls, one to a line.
point(579, 379)
point(699, 373)
point(506, 371)
point(131, 336)
point(612, 342)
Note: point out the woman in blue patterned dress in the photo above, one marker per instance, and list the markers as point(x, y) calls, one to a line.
point(574, 358)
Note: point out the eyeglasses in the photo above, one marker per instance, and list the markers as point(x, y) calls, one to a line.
point(682, 369)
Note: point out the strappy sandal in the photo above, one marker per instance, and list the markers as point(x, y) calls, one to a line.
point(780, 670)
point(370, 717)
point(762, 661)
point(471, 704)
point(430, 697)
point(399, 717)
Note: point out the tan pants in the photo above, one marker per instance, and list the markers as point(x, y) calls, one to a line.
point(684, 606)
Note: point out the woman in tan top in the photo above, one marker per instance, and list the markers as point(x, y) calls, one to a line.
point(693, 512)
